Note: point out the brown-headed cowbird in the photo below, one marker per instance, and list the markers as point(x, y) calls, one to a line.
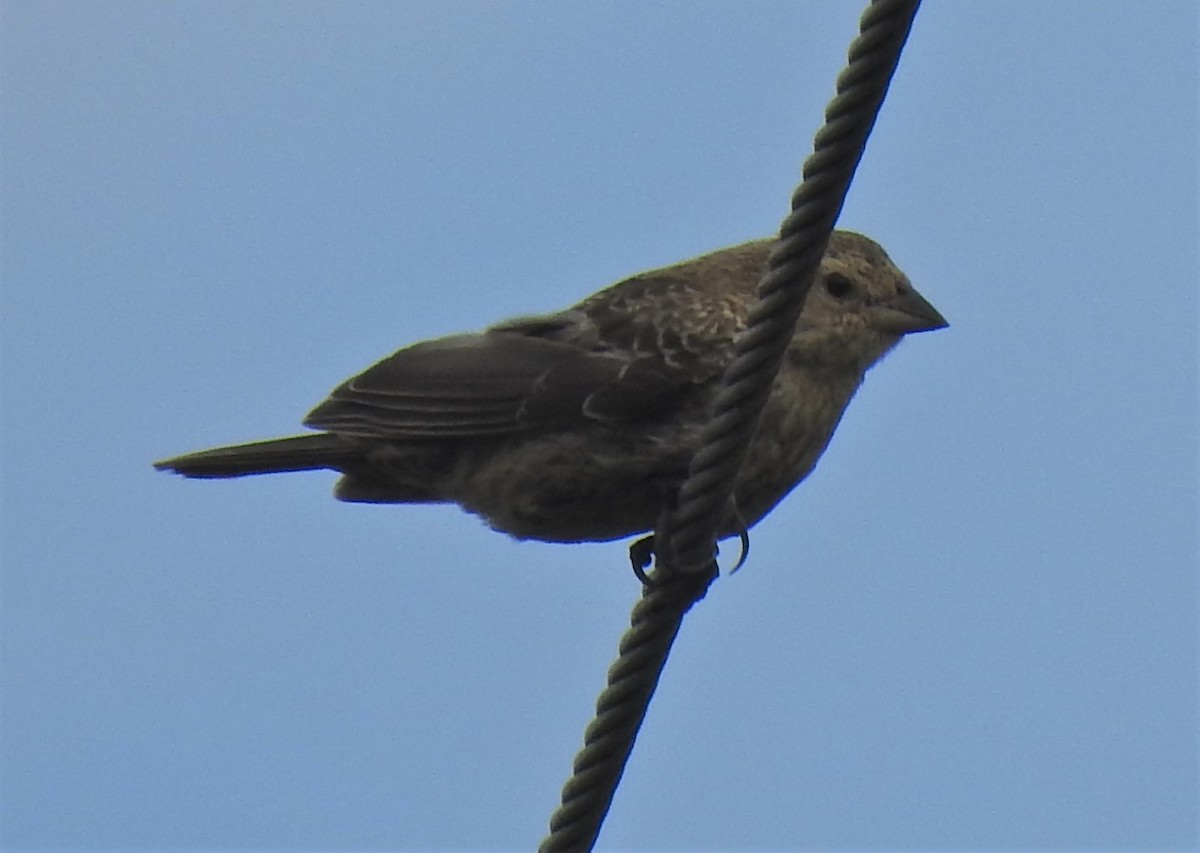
point(579, 425)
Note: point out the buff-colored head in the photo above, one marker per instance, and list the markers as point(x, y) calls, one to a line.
point(859, 307)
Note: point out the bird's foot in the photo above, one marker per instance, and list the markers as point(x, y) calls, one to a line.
point(641, 555)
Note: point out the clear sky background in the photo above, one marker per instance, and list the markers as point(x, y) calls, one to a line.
point(974, 627)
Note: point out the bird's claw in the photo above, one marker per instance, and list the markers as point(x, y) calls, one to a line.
point(744, 538)
point(641, 555)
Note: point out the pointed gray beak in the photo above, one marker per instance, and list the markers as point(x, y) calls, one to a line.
point(907, 313)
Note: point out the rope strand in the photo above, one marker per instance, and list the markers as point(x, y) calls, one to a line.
point(685, 542)
point(620, 708)
point(818, 200)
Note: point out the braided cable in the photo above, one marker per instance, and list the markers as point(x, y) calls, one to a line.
point(704, 497)
point(620, 708)
point(685, 542)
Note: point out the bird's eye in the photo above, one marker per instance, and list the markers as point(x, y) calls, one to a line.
point(838, 286)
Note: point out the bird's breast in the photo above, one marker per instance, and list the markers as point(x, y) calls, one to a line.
point(797, 423)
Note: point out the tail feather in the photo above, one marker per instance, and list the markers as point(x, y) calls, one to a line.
point(298, 453)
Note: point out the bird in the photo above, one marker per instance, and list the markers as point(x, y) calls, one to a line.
point(579, 425)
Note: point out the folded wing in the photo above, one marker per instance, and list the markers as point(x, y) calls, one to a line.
point(624, 354)
point(496, 383)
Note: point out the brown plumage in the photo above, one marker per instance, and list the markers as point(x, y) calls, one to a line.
point(579, 425)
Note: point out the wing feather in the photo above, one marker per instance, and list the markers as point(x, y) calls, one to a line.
point(624, 354)
point(494, 383)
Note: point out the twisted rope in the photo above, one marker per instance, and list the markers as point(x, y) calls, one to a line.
point(837, 149)
point(622, 705)
point(685, 543)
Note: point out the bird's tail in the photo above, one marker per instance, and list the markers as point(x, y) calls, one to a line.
point(299, 453)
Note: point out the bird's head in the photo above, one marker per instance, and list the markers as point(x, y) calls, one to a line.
point(859, 307)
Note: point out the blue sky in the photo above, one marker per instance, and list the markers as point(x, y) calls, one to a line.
point(974, 627)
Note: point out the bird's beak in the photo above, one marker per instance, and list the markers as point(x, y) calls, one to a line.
point(907, 313)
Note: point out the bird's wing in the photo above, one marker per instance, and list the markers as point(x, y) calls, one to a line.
point(496, 383)
point(627, 353)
